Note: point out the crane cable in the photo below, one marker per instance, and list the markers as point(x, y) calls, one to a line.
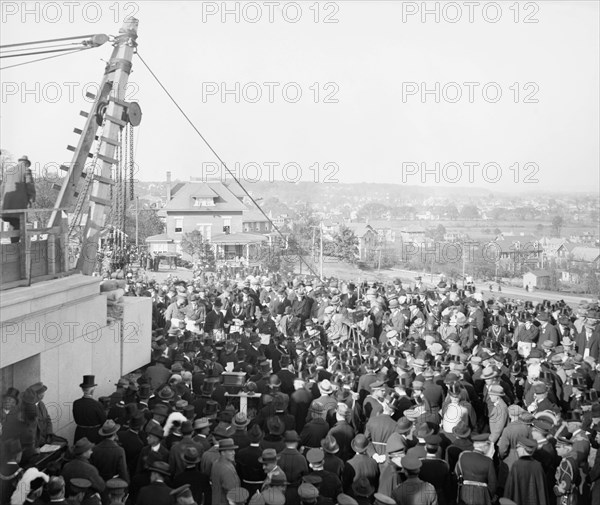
point(46, 58)
point(220, 160)
point(34, 42)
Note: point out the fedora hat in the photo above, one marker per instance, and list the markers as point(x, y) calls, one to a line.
point(201, 423)
point(156, 431)
point(275, 426)
point(38, 388)
point(166, 393)
point(89, 381)
point(325, 387)
point(329, 444)
point(496, 391)
point(25, 159)
point(191, 455)
point(109, 428)
point(82, 445)
point(359, 443)
point(255, 434)
point(362, 487)
point(489, 373)
point(461, 430)
point(291, 436)
point(227, 444)
point(240, 420)
point(160, 467)
point(268, 456)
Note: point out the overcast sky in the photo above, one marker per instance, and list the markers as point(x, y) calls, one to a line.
point(371, 121)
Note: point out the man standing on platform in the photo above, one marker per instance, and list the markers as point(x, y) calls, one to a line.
point(18, 192)
point(88, 414)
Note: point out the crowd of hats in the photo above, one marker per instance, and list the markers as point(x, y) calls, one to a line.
point(405, 359)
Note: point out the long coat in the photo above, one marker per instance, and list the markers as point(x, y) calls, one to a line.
point(82, 469)
point(475, 467)
point(89, 416)
point(17, 187)
point(157, 493)
point(224, 478)
point(527, 482)
point(109, 458)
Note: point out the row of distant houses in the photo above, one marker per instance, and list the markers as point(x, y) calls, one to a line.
point(229, 220)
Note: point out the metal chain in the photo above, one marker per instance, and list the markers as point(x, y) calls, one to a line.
point(125, 164)
point(131, 164)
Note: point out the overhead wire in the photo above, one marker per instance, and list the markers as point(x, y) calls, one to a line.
point(219, 158)
point(46, 58)
point(2, 51)
point(32, 43)
point(35, 53)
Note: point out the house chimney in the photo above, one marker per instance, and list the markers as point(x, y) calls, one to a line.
point(168, 187)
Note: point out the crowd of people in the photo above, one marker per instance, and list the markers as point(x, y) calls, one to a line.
point(272, 390)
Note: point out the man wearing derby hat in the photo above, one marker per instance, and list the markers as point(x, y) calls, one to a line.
point(157, 492)
point(526, 481)
point(361, 465)
point(88, 413)
point(414, 490)
point(223, 475)
point(108, 457)
point(80, 466)
point(18, 192)
point(191, 474)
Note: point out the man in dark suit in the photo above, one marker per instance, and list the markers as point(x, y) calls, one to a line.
point(249, 467)
point(301, 306)
point(88, 413)
point(132, 442)
point(108, 457)
point(547, 330)
point(587, 340)
point(191, 474)
point(18, 192)
point(157, 492)
point(81, 468)
point(291, 461)
point(342, 432)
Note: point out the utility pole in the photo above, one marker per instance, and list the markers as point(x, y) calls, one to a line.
point(321, 247)
point(137, 223)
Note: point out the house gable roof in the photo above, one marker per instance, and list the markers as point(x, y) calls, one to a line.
point(225, 199)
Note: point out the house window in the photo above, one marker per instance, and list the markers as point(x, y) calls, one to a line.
point(203, 202)
point(226, 225)
point(178, 224)
point(205, 230)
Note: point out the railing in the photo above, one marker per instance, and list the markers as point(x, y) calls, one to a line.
point(39, 254)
